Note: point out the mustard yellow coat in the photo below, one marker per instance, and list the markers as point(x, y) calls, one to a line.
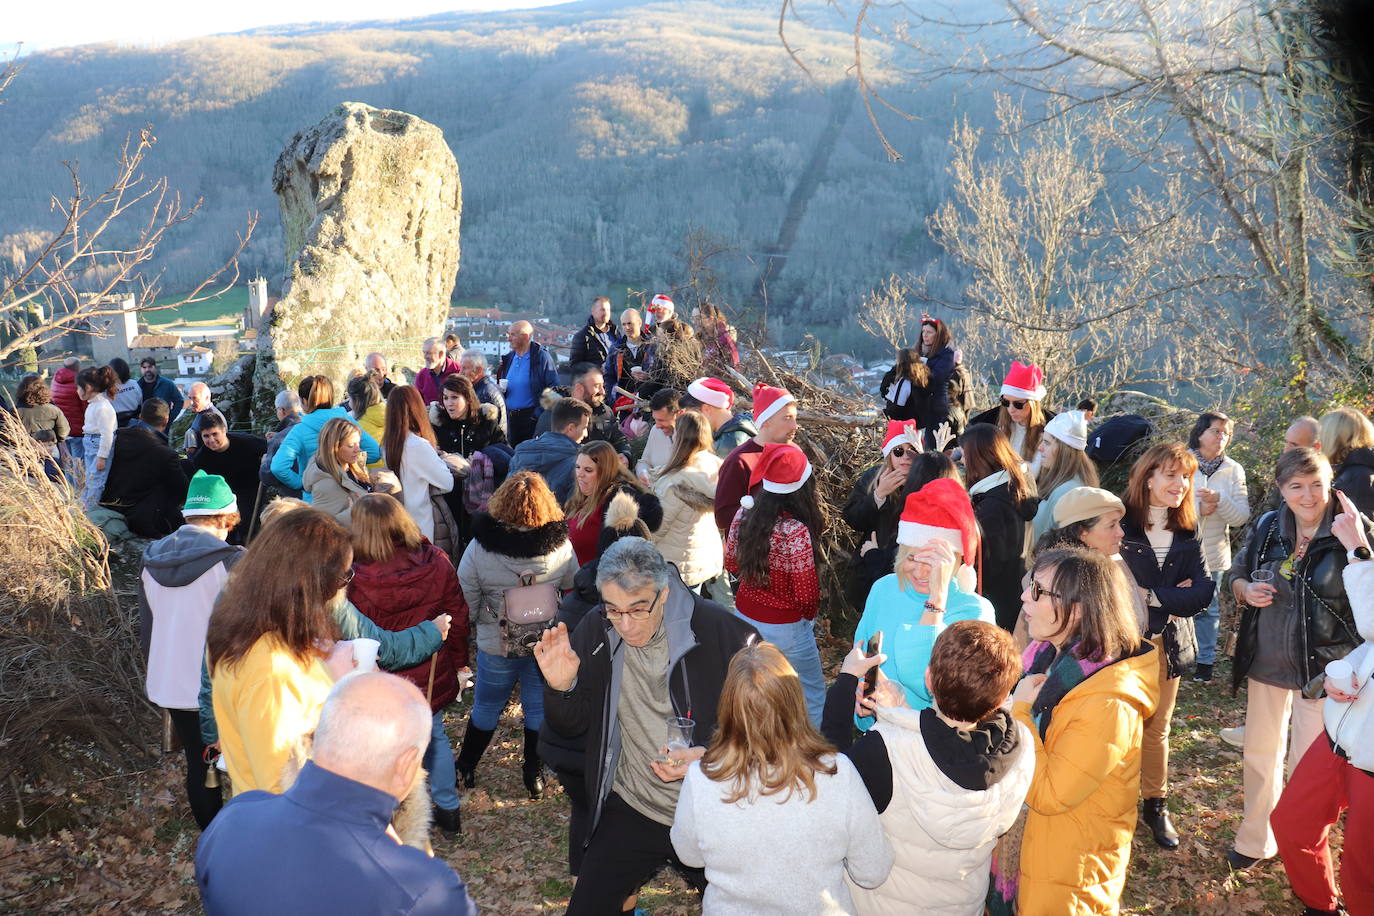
point(373, 422)
point(1083, 796)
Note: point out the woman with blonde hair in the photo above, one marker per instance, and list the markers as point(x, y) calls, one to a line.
point(686, 488)
point(1063, 465)
point(1347, 440)
point(1164, 554)
point(336, 476)
point(521, 539)
point(400, 580)
point(769, 773)
point(272, 645)
point(598, 475)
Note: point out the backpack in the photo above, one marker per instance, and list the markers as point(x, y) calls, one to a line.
point(1112, 439)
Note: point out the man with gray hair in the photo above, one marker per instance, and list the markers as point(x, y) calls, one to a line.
point(199, 403)
point(525, 372)
point(473, 365)
point(430, 379)
point(654, 652)
point(324, 845)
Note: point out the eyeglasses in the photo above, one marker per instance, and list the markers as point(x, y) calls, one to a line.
point(346, 578)
point(1038, 591)
point(1018, 405)
point(615, 614)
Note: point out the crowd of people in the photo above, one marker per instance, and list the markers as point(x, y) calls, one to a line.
point(636, 562)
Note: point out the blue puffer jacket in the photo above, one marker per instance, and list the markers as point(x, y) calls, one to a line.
point(291, 460)
point(551, 454)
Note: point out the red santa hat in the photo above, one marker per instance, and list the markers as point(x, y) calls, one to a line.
point(768, 401)
point(623, 403)
point(781, 468)
point(1024, 381)
point(712, 391)
point(663, 304)
point(901, 432)
point(941, 510)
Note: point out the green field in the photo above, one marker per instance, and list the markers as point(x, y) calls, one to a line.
point(222, 309)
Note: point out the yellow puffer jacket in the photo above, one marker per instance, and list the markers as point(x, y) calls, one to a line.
point(1083, 797)
point(373, 422)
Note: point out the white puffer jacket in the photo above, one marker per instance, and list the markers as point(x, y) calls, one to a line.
point(1232, 510)
point(941, 833)
point(688, 537)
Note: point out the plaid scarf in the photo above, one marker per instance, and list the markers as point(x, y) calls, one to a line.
point(1208, 468)
point(1063, 671)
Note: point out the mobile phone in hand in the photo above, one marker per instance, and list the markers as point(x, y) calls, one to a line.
point(875, 645)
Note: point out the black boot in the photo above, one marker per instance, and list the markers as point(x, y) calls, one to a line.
point(475, 741)
point(448, 821)
point(534, 767)
point(1156, 817)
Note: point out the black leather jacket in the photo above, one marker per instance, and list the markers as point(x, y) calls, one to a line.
point(1316, 589)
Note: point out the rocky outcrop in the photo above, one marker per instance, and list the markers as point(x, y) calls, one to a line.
point(370, 204)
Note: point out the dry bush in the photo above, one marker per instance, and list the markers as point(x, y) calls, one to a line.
point(71, 672)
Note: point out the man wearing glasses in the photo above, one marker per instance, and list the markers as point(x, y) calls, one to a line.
point(655, 652)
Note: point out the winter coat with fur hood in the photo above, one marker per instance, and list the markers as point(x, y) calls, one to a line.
point(413, 586)
point(493, 562)
point(688, 537)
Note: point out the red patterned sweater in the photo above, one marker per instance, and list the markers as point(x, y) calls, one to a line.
point(793, 591)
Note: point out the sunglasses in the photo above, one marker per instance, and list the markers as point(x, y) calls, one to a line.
point(901, 451)
point(1019, 405)
point(1039, 591)
point(346, 578)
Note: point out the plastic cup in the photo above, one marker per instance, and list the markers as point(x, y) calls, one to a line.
point(1342, 674)
point(1263, 576)
point(365, 654)
point(680, 731)
point(501, 383)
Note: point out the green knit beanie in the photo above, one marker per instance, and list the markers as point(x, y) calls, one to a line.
point(208, 494)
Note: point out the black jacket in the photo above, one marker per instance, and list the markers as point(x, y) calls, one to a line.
point(1003, 521)
point(1184, 561)
point(563, 753)
point(917, 406)
point(587, 346)
point(990, 415)
point(459, 437)
point(937, 408)
point(604, 426)
point(702, 638)
point(1355, 478)
point(1328, 629)
point(864, 515)
point(146, 484)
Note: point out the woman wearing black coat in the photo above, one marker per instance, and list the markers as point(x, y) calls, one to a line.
point(906, 389)
point(1347, 440)
point(1164, 554)
point(937, 351)
point(1004, 503)
point(464, 424)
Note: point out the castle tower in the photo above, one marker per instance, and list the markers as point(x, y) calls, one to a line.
point(257, 303)
point(113, 335)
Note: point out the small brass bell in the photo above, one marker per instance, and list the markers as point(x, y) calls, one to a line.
point(212, 777)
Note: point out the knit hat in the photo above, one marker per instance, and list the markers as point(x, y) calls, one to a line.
point(712, 391)
point(768, 401)
point(781, 468)
point(208, 494)
point(662, 307)
point(1070, 428)
point(1024, 381)
point(1083, 503)
point(901, 433)
point(941, 509)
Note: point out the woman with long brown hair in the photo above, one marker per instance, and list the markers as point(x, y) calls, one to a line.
point(412, 454)
point(271, 645)
point(1164, 554)
point(769, 774)
point(1019, 414)
point(686, 488)
point(1004, 503)
point(464, 424)
point(398, 582)
point(717, 337)
point(906, 387)
point(293, 456)
point(597, 476)
point(937, 351)
point(336, 475)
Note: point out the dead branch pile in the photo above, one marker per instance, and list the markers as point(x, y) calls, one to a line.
point(71, 671)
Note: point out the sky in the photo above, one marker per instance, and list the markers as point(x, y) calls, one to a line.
point(39, 26)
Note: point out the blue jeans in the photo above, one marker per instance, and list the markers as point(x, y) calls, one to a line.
point(95, 480)
point(1206, 623)
point(443, 778)
point(798, 642)
point(496, 678)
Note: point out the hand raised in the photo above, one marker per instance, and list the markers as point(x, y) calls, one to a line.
point(556, 659)
point(1348, 526)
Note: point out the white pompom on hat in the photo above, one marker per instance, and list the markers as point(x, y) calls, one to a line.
point(712, 391)
point(768, 401)
point(1070, 428)
point(1024, 381)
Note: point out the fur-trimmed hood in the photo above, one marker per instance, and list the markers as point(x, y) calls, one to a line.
point(513, 541)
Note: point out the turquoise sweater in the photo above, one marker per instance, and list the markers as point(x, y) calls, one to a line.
point(907, 643)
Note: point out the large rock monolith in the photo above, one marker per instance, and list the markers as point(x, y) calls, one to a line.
point(370, 205)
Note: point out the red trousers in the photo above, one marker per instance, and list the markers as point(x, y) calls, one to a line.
point(1321, 788)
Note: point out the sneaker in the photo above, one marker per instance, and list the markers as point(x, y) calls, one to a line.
point(1240, 862)
point(1203, 673)
point(1234, 737)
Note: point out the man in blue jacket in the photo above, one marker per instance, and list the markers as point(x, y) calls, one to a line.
point(554, 454)
point(524, 374)
point(322, 846)
point(153, 385)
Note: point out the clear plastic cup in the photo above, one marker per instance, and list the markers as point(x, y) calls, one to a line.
point(680, 731)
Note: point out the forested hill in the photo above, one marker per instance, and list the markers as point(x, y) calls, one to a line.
point(592, 138)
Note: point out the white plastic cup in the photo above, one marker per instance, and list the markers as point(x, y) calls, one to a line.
point(501, 383)
point(365, 654)
point(1342, 674)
